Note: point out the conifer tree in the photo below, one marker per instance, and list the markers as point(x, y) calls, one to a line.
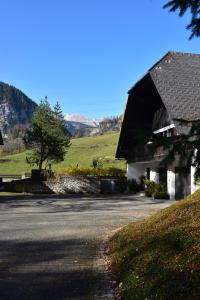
point(187, 5)
point(47, 136)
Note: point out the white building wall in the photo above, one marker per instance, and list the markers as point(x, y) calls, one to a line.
point(171, 184)
point(135, 171)
point(193, 185)
point(154, 175)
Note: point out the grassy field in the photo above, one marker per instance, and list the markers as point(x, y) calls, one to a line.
point(81, 152)
point(10, 194)
point(160, 258)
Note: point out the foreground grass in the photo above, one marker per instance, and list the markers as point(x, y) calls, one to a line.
point(159, 258)
point(81, 152)
point(10, 194)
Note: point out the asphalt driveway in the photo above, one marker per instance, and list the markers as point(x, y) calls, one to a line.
point(49, 246)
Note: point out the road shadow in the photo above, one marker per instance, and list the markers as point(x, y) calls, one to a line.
point(48, 270)
point(76, 203)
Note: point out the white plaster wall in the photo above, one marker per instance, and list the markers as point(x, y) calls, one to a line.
point(154, 175)
point(193, 185)
point(135, 171)
point(171, 184)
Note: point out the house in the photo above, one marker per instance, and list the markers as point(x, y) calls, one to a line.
point(170, 90)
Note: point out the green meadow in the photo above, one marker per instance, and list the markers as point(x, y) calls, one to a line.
point(81, 153)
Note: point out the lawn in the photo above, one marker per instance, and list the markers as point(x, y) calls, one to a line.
point(81, 152)
point(159, 258)
point(10, 194)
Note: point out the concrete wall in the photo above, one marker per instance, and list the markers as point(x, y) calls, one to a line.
point(69, 185)
point(171, 184)
point(135, 171)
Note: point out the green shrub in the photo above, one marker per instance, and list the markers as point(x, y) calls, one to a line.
point(150, 187)
point(121, 185)
point(133, 186)
point(42, 175)
point(97, 163)
point(113, 172)
point(161, 191)
point(99, 172)
point(158, 190)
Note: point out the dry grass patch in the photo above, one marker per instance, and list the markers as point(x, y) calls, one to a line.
point(159, 258)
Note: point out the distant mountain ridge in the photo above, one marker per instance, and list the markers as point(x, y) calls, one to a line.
point(79, 125)
point(75, 118)
point(15, 107)
point(16, 112)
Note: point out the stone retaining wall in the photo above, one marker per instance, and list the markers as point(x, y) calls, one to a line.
point(74, 185)
point(69, 185)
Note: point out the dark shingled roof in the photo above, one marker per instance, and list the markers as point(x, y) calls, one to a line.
point(176, 77)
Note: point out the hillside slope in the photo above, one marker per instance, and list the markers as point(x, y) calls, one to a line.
point(15, 107)
point(82, 152)
point(159, 258)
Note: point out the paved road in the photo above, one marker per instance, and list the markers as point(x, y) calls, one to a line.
point(49, 247)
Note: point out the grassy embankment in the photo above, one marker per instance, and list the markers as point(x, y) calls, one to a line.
point(81, 152)
point(159, 258)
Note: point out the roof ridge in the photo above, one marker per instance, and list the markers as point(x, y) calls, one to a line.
point(169, 53)
point(184, 53)
point(163, 57)
point(172, 53)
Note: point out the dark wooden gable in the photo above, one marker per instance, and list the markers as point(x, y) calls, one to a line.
point(169, 91)
point(143, 103)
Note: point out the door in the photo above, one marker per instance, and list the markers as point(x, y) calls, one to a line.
point(148, 170)
point(182, 182)
point(163, 175)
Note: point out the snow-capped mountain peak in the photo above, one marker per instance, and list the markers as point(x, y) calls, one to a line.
point(70, 117)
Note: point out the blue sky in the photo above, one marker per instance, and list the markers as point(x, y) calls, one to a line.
point(85, 53)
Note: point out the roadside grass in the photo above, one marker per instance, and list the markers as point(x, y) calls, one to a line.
point(159, 258)
point(81, 153)
point(9, 194)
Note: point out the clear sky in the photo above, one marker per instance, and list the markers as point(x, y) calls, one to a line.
point(85, 53)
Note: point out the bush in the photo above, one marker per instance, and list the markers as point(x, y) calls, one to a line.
point(97, 163)
point(99, 172)
point(42, 175)
point(113, 172)
point(133, 186)
point(150, 187)
point(161, 191)
point(121, 185)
